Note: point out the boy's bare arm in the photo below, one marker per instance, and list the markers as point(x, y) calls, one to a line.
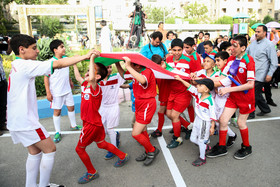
point(249, 85)
point(139, 77)
point(92, 70)
point(212, 129)
point(47, 87)
point(120, 69)
point(178, 78)
point(77, 74)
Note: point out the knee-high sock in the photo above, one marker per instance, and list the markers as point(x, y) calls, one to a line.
point(56, 122)
point(113, 149)
point(112, 134)
point(32, 169)
point(202, 147)
point(145, 133)
point(222, 137)
point(81, 151)
point(46, 168)
point(72, 118)
point(177, 128)
point(245, 136)
point(184, 122)
point(230, 132)
point(160, 121)
point(191, 113)
point(145, 142)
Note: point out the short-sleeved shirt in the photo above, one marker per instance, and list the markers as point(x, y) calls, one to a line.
point(149, 50)
point(90, 104)
point(110, 89)
point(22, 99)
point(59, 81)
point(197, 60)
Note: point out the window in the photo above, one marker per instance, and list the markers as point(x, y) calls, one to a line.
point(269, 12)
point(260, 11)
point(250, 10)
point(250, 0)
point(224, 10)
point(260, 1)
point(238, 10)
point(269, 1)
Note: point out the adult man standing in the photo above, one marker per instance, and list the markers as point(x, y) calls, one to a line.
point(266, 62)
point(105, 37)
point(200, 47)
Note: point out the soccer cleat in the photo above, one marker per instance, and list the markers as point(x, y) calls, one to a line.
point(151, 156)
point(87, 177)
point(175, 143)
point(156, 134)
point(231, 140)
point(199, 162)
point(217, 151)
point(120, 162)
point(57, 137)
point(109, 156)
point(76, 128)
point(243, 152)
point(55, 185)
point(142, 157)
point(118, 141)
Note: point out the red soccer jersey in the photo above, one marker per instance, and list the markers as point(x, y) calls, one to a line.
point(149, 89)
point(197, 60)
point(91, 101)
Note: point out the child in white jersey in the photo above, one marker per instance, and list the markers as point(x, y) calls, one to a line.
point(58, 89)
point(205, 115)
point(23, 120)
point(109, 109)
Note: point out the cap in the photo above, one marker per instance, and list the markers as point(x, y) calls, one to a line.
point(212, 56)
point(207, 82)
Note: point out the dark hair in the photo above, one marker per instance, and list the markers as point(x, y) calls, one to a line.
point(169, 32)
point(208, 43)
point(156, 35)
point(207, 34)
point(102, 71)
point(177, 42)
point(176, 35)
point(222, 54)
point(189, 41)
point(21, 40)
point(242, 40)
point(201, 33)
point(196, 36)
point(224, 46)
point(157, 59)
point(103, 23)
point(54, 44)
point(263, 27)
point(160, 23)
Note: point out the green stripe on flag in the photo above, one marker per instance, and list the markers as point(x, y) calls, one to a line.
point(106, 61)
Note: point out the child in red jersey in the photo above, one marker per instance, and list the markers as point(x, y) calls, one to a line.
point(189, 46)
point(144, 89)
point(93, 130)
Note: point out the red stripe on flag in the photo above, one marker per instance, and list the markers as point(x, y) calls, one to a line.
point(40, 134)
point(205, 105)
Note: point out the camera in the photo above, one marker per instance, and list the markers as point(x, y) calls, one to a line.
point(3, 44)
point(138, 5)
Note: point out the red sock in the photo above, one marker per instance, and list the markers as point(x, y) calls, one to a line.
point(113, 149)
point(245, 136)
point(184, 122)
point(160, 121)
point(85, 159)
point(145, 133)
point(191, 113)
point(222, 137)
point(142, 139)
point(177, 128)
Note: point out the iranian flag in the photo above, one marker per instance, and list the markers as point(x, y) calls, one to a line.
point(137, 58)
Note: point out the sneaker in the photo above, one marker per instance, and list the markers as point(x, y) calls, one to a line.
point(141, 157)
point(87, 177)
point(76, 128)
point(199, 162)
point(151, 156)
point(218, 151)
point(156, 134)
point(118, 141)
point(57, 137)
point(243, 152)
point(120, 162)
point(231, 140)
point(109, 156)
point(233, 122)
point(55, 185)
point(208, 148)
point(175, 143)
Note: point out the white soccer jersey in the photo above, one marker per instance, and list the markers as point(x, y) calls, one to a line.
point(204, 109)
point(110, 89)
point(202, 74)
point(59, 81)
point(22, 100)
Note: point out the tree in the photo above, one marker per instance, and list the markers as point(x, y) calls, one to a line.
point(50, 26)
point(267, 19)
point(156, 14)
point(196, 12)
point(224, 20)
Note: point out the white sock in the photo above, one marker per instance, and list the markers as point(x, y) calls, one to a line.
point(46, 168)
point(72, 118)
point(56, 122)
point(202, 147)
point(32, 169)
point(230, 132)
point(112, 134)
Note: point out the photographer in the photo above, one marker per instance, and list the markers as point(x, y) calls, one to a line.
point(137, 23)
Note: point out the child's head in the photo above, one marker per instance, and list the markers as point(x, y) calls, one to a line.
point(239, 45)
point(208, 46)
point(109, 69)
point(100, 72)
point(189, 45)
point(57, 47)
point(157, 59)
point(209, 61)
point(226, 46)
point(170, 35)
point(103, 23)
point(204, 85)
point(221, 59)
point(24, 46)
point(177, 48)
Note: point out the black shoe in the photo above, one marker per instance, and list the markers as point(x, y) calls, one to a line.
point(251, 116)
point(219, 151)
point(156, 134)
point(188, 134)
point(231, 140)
point(151, 156)
point(262, 113)
point(199, 162)
point(271, 103)
point(141, 157)
point(243, 152)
